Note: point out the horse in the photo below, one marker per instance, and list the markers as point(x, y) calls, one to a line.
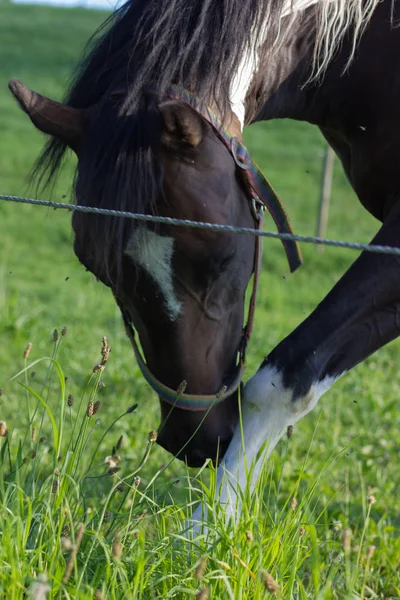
point(155, 115)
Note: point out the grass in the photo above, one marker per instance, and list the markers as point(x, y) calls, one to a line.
point(131, 544)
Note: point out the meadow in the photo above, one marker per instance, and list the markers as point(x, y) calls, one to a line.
point(75, 522)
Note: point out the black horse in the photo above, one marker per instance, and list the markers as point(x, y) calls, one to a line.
point(136, 116)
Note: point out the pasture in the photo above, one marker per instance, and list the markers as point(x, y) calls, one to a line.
point(324, 521)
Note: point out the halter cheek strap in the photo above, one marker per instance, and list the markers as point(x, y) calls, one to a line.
point(259, 187)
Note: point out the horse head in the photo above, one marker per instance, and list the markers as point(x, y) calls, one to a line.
point(182, 290)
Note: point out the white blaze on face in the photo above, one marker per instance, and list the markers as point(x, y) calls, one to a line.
point(153, 253)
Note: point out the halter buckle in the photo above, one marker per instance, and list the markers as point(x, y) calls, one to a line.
point(240, 154)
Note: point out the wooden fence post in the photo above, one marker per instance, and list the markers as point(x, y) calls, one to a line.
point(325, 194)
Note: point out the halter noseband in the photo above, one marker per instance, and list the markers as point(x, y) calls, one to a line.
point(261, 196)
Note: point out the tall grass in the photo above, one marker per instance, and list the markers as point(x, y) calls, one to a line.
point(76, 521)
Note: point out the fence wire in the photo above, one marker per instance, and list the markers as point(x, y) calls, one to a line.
point(306, 239)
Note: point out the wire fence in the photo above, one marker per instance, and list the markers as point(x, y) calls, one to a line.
point(374, 248)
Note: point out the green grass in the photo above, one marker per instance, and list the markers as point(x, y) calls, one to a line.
point(343, 452)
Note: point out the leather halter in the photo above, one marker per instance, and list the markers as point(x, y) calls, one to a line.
point(261, 196)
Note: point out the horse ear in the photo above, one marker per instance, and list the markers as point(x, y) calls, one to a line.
point(181, 124)
point(61, 121)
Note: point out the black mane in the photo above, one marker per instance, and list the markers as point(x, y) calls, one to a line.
point(159, 42)
point(142, 48)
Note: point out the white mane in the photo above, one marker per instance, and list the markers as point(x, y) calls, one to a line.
point(334, 18)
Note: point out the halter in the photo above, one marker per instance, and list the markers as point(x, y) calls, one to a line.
point(261, 197)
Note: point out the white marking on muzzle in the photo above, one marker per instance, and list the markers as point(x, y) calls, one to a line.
point(268, 409)
point(153, 253)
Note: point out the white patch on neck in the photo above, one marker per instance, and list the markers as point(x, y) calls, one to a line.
point(249, 64)
point(153, 253)
point(242, 80)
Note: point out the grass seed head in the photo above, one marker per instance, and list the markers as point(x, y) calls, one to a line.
point(289, 431)
point(346, 539)
point(203, 594)
point(119, 443)
point(27, 351)
point(70, 400)
point(66, 544)
point(136, 481)
point(117, 547)
point(269, 582)
point(90, 409)
point(107, 516)
point(96, 406)
point(201, 568)
point(54, 487)
point(40, 588)
point(33, 434)
point(113, 470)
point(105, 351)
point(3, 429)
point(293, 503)
point(33, 374)
point(113, 460)
point(371, 499)
point(71, 560)
point(64, 331)
point(181, 388)
point(222, 391)
point(55, 335)
point(302, 531)
point(249, 536)
point(152, 437)
point(42, 439)
point(131, 409)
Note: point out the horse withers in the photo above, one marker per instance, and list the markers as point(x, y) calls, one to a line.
point(139, 150)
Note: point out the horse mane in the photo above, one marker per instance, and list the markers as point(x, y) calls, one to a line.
point(147, 45)
point(198, 41)
point(334, 18)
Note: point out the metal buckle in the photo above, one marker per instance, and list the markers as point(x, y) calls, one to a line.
point(240, 154)
point(257, 207)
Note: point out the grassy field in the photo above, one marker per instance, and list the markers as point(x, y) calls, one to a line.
point(129, 545)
